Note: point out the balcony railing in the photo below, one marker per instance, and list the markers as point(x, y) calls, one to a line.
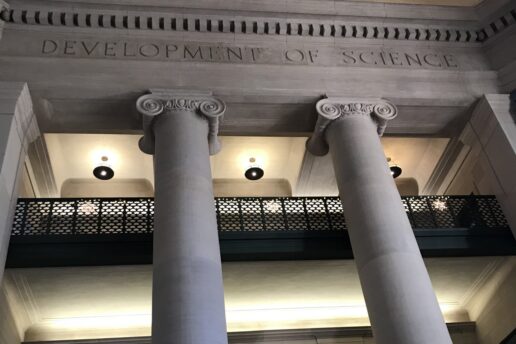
point(108, 216)
point(118, 231)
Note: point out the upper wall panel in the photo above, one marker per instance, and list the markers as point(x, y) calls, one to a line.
point(98, 57)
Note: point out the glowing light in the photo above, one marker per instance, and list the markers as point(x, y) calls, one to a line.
point(302, 317)
point(104, 157)
point(272, 206)
point(101, 322)
point(248, 319)
point(255, 158)
point(87, 208)
point(439, 204)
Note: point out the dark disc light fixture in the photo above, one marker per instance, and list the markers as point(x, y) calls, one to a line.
point(254, 173)
point(395, 171)
point(103, 172)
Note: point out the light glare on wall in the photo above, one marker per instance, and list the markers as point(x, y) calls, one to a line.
point(97, 155)
point(258, 156)
point(237, 319)
point(101, 322)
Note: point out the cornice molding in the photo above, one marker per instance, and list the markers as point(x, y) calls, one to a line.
point(498, 24)
point(272, 335)
point(249, 23)
point(334, 109)
point(165, 102)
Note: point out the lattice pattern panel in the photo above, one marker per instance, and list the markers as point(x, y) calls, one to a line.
point(38, 218)
point(228, 214)
point(61, 221)
point(112, 216)
point(497, 213)
point(274, 214)
point(338, 223)
point(405, 202)
point(136, 215)
point(420, 213)
point(437, 211)
point(252, 215)
point(88, 216)
point(318, 218)
point(296, 214)
point(460, 207)
point(19, 218)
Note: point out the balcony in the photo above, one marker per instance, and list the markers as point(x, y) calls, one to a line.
point(107, 231)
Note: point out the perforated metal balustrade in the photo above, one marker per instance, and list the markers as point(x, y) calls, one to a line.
point(135, 215)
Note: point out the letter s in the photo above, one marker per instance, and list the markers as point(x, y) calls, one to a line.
point(347, 56)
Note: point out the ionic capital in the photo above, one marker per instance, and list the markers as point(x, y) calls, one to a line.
point(168, 102)
point(332, 109)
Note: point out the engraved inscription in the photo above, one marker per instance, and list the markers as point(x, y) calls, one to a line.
point(204, 52)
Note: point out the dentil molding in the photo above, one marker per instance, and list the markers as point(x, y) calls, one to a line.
point(249, 23)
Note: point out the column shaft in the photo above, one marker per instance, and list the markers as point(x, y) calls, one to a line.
point(188, 296)
point(401, 303)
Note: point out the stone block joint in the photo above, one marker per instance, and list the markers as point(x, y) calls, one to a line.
point(332, 109)
point(167, 102)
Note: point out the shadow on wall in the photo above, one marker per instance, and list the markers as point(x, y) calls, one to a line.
point(407, 186)
point(257, 188)
point(78, 188)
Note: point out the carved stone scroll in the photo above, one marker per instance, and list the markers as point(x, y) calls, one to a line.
point(168, 102)
point(331, 109)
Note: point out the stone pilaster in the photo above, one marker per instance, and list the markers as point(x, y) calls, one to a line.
point(400, 300)
point(18, 128)
point(188, 298)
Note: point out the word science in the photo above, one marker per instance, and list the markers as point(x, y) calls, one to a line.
point(323, 56)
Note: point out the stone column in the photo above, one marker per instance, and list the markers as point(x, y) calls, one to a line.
point(180, 130)
point(400, 300)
